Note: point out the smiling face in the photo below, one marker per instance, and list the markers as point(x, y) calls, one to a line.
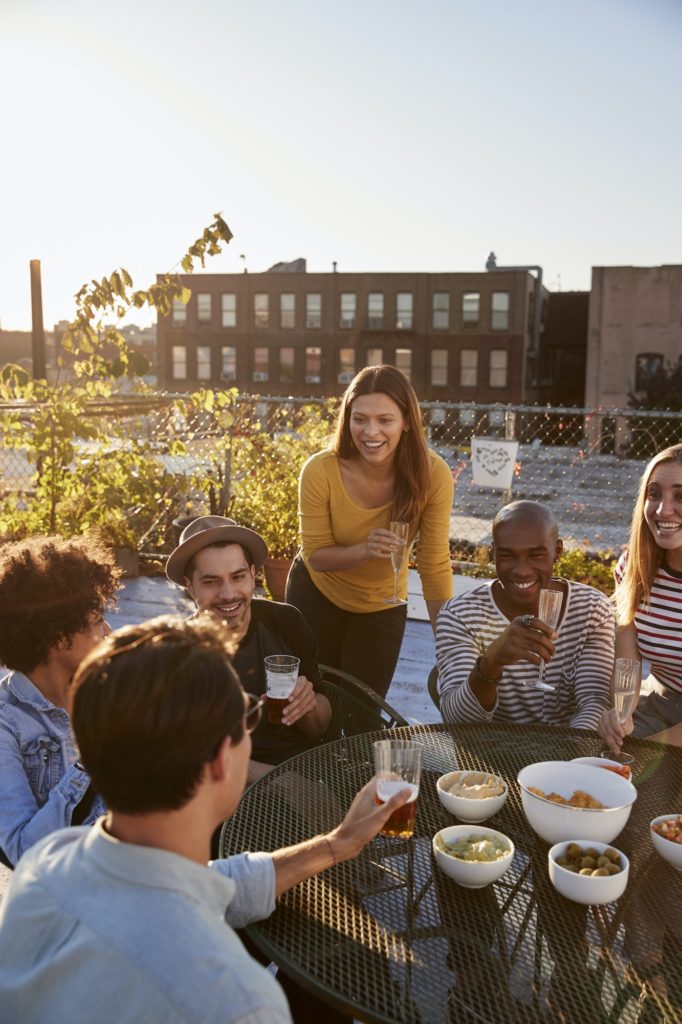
point(663, 510)
point(223, 583)
point(525, 549)
point(376, 427)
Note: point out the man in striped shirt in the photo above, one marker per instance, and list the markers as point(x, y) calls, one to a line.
point(490, 643)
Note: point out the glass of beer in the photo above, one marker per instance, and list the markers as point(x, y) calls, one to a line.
point(398, 765)
point(281, 676)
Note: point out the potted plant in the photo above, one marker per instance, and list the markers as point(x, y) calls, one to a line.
point(266, 464)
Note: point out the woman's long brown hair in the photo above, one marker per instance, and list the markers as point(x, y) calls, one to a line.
point(644, 555)
point(412, 464)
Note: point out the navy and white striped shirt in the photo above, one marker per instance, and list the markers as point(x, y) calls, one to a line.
point(659, 626)
point(580, 670)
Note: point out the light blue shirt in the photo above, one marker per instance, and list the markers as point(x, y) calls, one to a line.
point(93, 929)
point(40, 785)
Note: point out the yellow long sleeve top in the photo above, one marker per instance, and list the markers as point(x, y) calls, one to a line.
point(329, 517)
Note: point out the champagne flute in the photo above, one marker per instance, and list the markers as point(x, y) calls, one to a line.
point(399, 530)
point(549, 610)
point(626, 680)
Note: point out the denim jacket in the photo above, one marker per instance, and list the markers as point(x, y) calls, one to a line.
point(40, 785)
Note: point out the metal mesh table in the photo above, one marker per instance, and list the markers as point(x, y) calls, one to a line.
point(388, 937)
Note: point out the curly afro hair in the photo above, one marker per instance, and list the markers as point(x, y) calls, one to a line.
point(49, 588)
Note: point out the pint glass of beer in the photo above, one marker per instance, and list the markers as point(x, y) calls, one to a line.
point(398, 765)
point(281, 676)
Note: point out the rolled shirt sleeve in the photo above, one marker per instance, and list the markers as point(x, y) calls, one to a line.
point(254, 878)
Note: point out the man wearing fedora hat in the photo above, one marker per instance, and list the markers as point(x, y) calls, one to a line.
point(216, 562)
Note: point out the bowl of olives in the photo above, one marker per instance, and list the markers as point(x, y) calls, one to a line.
point(588, 872)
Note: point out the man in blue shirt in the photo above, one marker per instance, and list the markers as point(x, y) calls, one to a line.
point(124, 922)
point(53, 594)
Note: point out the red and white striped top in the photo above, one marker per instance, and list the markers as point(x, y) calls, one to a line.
point(659, 626)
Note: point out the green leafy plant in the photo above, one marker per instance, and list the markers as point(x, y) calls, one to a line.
point(86, 472)
point(267, 458)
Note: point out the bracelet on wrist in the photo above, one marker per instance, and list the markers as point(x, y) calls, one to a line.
point(481, 674)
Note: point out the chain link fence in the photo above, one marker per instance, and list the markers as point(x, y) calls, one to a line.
point(584, 464)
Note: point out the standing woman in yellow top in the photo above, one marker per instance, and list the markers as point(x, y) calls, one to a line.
point(377, 470)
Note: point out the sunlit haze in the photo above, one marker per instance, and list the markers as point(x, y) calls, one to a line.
point(384, 134)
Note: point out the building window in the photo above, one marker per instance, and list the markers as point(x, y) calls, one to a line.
point(203, 308)
point(647, 366)
point(287, 310)
point(471, 306)
point(348, 302)
point(261, 309)
point(346, 365)
point(375, 311)
point(179, 362)
point(468, 368)
point(440, 311)
point(203, 362)
point(499, 318)
point(375, 356)
point(498, 368)
point(403, 361)
point(403, 311)
point(179, 316)
point(228, 363)
point(439, 367)
point(287, 362)
point(313, 365)
point(261, 358)
point(313, 310)
point(229, 301)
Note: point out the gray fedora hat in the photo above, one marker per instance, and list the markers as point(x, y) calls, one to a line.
point(212, 530)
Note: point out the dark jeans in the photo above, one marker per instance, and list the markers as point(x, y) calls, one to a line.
point(364, 644)
point(659, 710)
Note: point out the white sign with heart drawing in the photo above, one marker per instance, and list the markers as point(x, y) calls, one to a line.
point(493, 461)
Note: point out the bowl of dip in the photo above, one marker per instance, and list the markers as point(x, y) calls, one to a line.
point(472, 856)
point(472, 796)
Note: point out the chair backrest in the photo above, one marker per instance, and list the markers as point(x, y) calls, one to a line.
point(356, 708)
point(433, 686)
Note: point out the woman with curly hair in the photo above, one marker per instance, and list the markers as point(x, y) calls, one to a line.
point(377, 470)
point(649, 599)
point(52, 599)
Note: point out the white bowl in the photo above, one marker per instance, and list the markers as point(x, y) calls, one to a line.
point(556, 823)
point(470, 810)
point(604, 762)
point(584, 888)
point(471, 874)
point(670, 851)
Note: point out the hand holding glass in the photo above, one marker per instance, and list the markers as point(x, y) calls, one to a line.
point(549, 610)
point(398, 766)
point(627, 676)
point(400, 531)
point(281, 676)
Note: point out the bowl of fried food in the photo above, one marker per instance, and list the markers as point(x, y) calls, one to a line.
point(588, 872)
point(472, 796)
point(666, 834)
point(562, 799)
point(472, 855)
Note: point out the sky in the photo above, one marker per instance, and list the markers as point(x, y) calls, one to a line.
point(386, 135)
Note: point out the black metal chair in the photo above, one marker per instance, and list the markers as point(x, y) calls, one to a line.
point(356, 708)
point(433, 686)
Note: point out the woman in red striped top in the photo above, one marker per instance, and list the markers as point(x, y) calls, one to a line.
point(649, 599)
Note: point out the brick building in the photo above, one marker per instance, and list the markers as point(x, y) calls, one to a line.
point(635, 329)
point(458, 336)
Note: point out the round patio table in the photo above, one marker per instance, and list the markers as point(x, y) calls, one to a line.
point(387, 937)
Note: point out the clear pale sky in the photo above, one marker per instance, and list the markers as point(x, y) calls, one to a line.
point(385, 134)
